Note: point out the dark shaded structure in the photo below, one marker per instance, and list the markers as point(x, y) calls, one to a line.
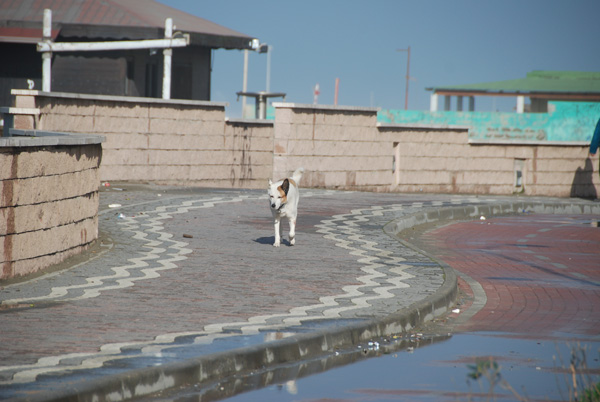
point(124, 72)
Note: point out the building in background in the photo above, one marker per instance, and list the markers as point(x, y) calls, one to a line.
point(123, 72)
point(539, 86)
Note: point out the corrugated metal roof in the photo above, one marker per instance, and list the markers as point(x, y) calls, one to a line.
point(112, 19)
point(536, 82)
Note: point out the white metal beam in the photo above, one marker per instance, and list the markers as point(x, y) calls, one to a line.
point(48, 46)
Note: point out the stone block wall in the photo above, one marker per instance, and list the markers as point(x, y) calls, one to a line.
point(48, 202)
point(249, 144)
point(339, 147)
point(162, 141)
point(192, 143)
point(445, 161)
point(345, 148)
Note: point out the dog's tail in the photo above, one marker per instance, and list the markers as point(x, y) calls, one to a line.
point(298, 174)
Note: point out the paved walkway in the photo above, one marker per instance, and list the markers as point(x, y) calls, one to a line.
point(534, 274)
point(183, 273)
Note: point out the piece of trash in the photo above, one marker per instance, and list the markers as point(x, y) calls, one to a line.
point(456, 311)
point(188, 236)
point(117, 189)
point(106, 184)
point(121, 216)
point(159, 195)
point(410, 349)
point(373, 345)
point(482, 218)
point(114, 205)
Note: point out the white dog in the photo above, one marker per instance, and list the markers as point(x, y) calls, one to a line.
point(283, 199)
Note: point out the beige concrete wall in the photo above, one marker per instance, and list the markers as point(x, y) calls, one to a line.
point(339, 147)
point(250, 147)
point(191, 143)
point(48, 205)
point(444, 161)
point(343, 147)
point(166, 142)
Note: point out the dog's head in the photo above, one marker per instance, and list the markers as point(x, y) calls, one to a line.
point(278, 193)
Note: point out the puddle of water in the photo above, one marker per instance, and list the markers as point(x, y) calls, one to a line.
point(436, 372)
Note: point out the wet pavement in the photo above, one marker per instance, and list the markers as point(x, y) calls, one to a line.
point(184, 274)
point(540, 273)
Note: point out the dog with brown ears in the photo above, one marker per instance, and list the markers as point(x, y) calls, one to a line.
point(283, 200)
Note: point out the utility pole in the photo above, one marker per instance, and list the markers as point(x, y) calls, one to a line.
point(407, 75)
point(269, 50)
point(245, 83)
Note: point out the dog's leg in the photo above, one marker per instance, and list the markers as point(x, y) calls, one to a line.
point(292, 231)
point(277, 232)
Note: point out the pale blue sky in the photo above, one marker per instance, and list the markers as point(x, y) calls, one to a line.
point(452, 42)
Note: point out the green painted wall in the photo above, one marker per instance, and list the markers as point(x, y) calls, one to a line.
point(566, 121)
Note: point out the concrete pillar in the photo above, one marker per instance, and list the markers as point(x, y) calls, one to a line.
point(459, 103)
point(520, 104)
point(433, 102)
point(167, 58)
point(447, 102)
point(471, 103)
point(47, 56)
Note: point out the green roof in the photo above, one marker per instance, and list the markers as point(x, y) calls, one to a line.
point(573, 82)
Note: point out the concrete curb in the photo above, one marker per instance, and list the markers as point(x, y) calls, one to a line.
point(476, 211)
point(210, 368)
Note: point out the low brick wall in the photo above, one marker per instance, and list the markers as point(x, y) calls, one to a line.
point(162, 141)
point(345, 148)
point(48, 201)
point(192, 143)
point(445, 161)
point(339, 147)
point(250, 148)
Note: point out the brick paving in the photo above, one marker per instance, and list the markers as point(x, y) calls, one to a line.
point(540, 273)
point(179, 269)
point(147, 290)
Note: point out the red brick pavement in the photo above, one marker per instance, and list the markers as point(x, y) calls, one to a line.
point(540, 273)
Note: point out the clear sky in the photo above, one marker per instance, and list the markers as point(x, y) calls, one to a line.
point(452, 42)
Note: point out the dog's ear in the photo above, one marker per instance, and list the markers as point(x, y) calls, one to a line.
point(270, 183)
point(285, 186)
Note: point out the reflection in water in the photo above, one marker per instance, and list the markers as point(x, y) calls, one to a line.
point(287, 378)
point(401, 368)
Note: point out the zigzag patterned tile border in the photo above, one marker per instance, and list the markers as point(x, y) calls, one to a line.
point(384, 273)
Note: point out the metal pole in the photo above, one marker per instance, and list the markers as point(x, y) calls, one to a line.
point(245, 83)
point(167, 56)
point(407, 75)
point(47, 56)
point(269, 50)
point(407, 79)
point(261, 104)
point(114, 45)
